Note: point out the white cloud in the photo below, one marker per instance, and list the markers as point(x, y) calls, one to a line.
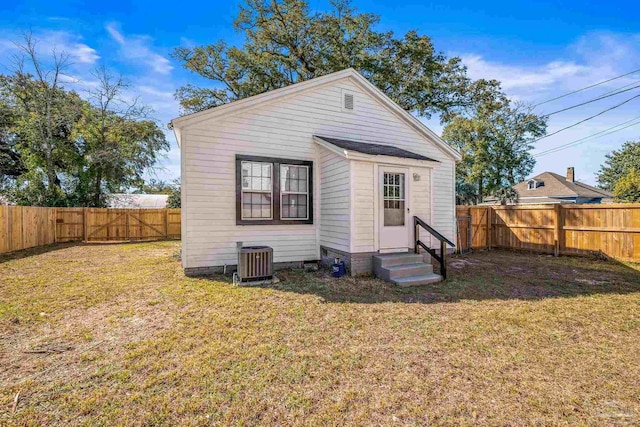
point(593, 58)
point(115, 34)
point(517, 78)
point(58, 41)
point(137, 48)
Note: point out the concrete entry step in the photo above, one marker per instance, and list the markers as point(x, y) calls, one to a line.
point(426, 279)
point(405, 269)
point(389, 260)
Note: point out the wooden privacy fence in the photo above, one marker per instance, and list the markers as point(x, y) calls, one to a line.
point(24, 227)
point(613, 229)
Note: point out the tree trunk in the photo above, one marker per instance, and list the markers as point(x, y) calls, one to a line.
point(97, 190)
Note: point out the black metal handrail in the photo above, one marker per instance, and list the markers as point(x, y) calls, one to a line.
point(417, 223)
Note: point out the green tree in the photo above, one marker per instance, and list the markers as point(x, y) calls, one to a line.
point(44, 115)
point(155, 186)
point(285, 43)
point(117, 141)
point(494, 137)
point(57, 149)
point(174, 199)
point(618, 164)
point(506, 195)
point(11, 165)
point(627, 189)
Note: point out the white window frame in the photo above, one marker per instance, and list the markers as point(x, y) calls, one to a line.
point(284, 192)
point(532, 184)
point(243, 191)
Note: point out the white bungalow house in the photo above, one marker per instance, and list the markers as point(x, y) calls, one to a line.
point(329, 167)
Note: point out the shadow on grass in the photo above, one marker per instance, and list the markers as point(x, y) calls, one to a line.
point(38, 250)
point(494, 275)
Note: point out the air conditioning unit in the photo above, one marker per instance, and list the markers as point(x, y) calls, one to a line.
point(255, 263)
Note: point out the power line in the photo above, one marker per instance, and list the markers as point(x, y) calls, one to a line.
point(593, 100)
point(588, 118)
point(587, 87)
point(621, 87)
point(596, 135)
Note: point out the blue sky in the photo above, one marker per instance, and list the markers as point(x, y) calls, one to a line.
point(537, 49)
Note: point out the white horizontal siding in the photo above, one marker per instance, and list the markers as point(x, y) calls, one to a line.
point(364, 194)
point(284, 128)
point(420, 202)
point(335, 200)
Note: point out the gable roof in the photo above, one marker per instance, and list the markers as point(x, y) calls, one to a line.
point(556, 185)
point(181, 122)
point(373, 149)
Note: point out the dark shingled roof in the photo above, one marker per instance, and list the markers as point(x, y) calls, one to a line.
point(374, 149)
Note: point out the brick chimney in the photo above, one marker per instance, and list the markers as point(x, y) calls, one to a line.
point(570, 174)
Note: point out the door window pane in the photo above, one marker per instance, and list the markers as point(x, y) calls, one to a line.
point(393, 199)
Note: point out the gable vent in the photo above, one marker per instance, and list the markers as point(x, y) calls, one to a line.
point(348, 101)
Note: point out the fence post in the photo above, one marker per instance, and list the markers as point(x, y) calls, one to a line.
point(166, 223)
point(489, 211)
point(84, 225)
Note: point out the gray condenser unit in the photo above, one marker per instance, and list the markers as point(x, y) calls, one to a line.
point(254, 263)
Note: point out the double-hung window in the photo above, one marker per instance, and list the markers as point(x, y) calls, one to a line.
point(294, 192)
point(257, 190)
point(273, 191)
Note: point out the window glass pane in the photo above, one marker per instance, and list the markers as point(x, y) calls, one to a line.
point(293, 185)
point(256, 170)
point(266, 170)
point(265, 183)
point(394, 215)
point(256, 205)
point(294, 178)
point(394, 205)
point(246, 169)
point(294, 206)
point(302, 211)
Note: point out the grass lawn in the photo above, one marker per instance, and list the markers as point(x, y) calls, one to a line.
point(117, 335)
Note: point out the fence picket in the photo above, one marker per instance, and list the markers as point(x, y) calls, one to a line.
point(23, 227)
point(610, 229)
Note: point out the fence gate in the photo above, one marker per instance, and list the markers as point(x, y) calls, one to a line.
point(103, 225)
point(464, 234)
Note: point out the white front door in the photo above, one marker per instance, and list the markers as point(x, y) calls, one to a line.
point(394, 208)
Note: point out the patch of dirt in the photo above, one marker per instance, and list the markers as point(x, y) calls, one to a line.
point(460, 263)
point(105, 328)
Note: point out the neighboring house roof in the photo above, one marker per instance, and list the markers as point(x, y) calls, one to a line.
point(271, 95)
point(373, 149)
point(553, 185)
point(137, 201)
